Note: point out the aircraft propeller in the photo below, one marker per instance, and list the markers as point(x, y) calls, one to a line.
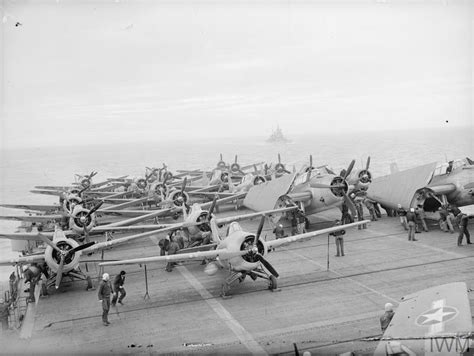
point(221, 164)
point(180, 197)
point(255, 254)
point(280, 167)
point(364, 175)
point(66, 254)
point(235, 167)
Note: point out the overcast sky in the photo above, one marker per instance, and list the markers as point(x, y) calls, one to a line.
point(125, 70)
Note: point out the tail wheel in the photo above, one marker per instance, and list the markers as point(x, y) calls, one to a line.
point(272, 282)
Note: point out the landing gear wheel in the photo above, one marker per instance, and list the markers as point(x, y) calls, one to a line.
point(272, 282)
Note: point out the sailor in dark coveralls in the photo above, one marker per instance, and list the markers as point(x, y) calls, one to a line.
point(105, 290)
point(339, 240)
point(119, 280)
point(386, 318)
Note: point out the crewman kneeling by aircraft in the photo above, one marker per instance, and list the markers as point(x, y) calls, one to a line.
point(387, 317)
point(370, 206)
point(339, 239)
point(173, 248)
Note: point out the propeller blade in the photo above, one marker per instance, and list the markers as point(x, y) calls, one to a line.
point(95, 208)
point(279, 158)
point(80, 247)
point(235, 159)
point(350, 205)
point(308, 175)
point(349, 169)
point(267, 265)
point(49, 242)
point(183, 187)
point(86, 233)
point(213, 206)
point(368, 163)
point(82, 191)
point(220, 156)
point(59, 273)
point(259, 230)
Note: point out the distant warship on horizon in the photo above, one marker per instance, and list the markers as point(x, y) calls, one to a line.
point(277, 136)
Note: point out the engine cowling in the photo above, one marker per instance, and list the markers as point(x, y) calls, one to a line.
point(235, 167)
point(85, 182)
point(141, 183)
point(71, 201)
point(81, 219)
point(258, 179)
point(339, 186)
point(53, 257)
point(179, 198)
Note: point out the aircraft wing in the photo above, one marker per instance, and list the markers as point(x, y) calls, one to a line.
point(289, 239)
point(211, 194)
point(265, 196)
point(227, 220)
point(144, 227)
point(31, 207)
point(32, 236)
point(48, 192)
point(221, 253)
point(124, 212)
point(400, 187)
point(224, 200)
point(22, 260)
point(468, 210)
point(435, 320)
point(32, 218)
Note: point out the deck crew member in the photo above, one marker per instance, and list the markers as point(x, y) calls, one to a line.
point(346, 217)
point(402, 213)
point(359, 210)
point(411, 224)
point(105, 289)
point(370, 206)
point(463, 221)
point(421, 217)
point(444, 223)
point(119, 280)
point(339, 239)
point(173, 248)
point(279, 231)
point(386, 318)
point(4, 313)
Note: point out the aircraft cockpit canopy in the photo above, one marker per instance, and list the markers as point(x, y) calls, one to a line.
point(316, 172)
point(233, 227)
point(444, 168)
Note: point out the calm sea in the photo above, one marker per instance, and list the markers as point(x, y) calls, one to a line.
point(22, 169)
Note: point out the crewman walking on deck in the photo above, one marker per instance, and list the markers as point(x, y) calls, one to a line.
point(411, 224)
point(402, 213)
point(339, 239)
point(463, 221)
point(119, 280)
point(386, 318)
point(105, 290)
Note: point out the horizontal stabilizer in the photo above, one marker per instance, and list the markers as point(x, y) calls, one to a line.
point(265, 196)
point(427, 319)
